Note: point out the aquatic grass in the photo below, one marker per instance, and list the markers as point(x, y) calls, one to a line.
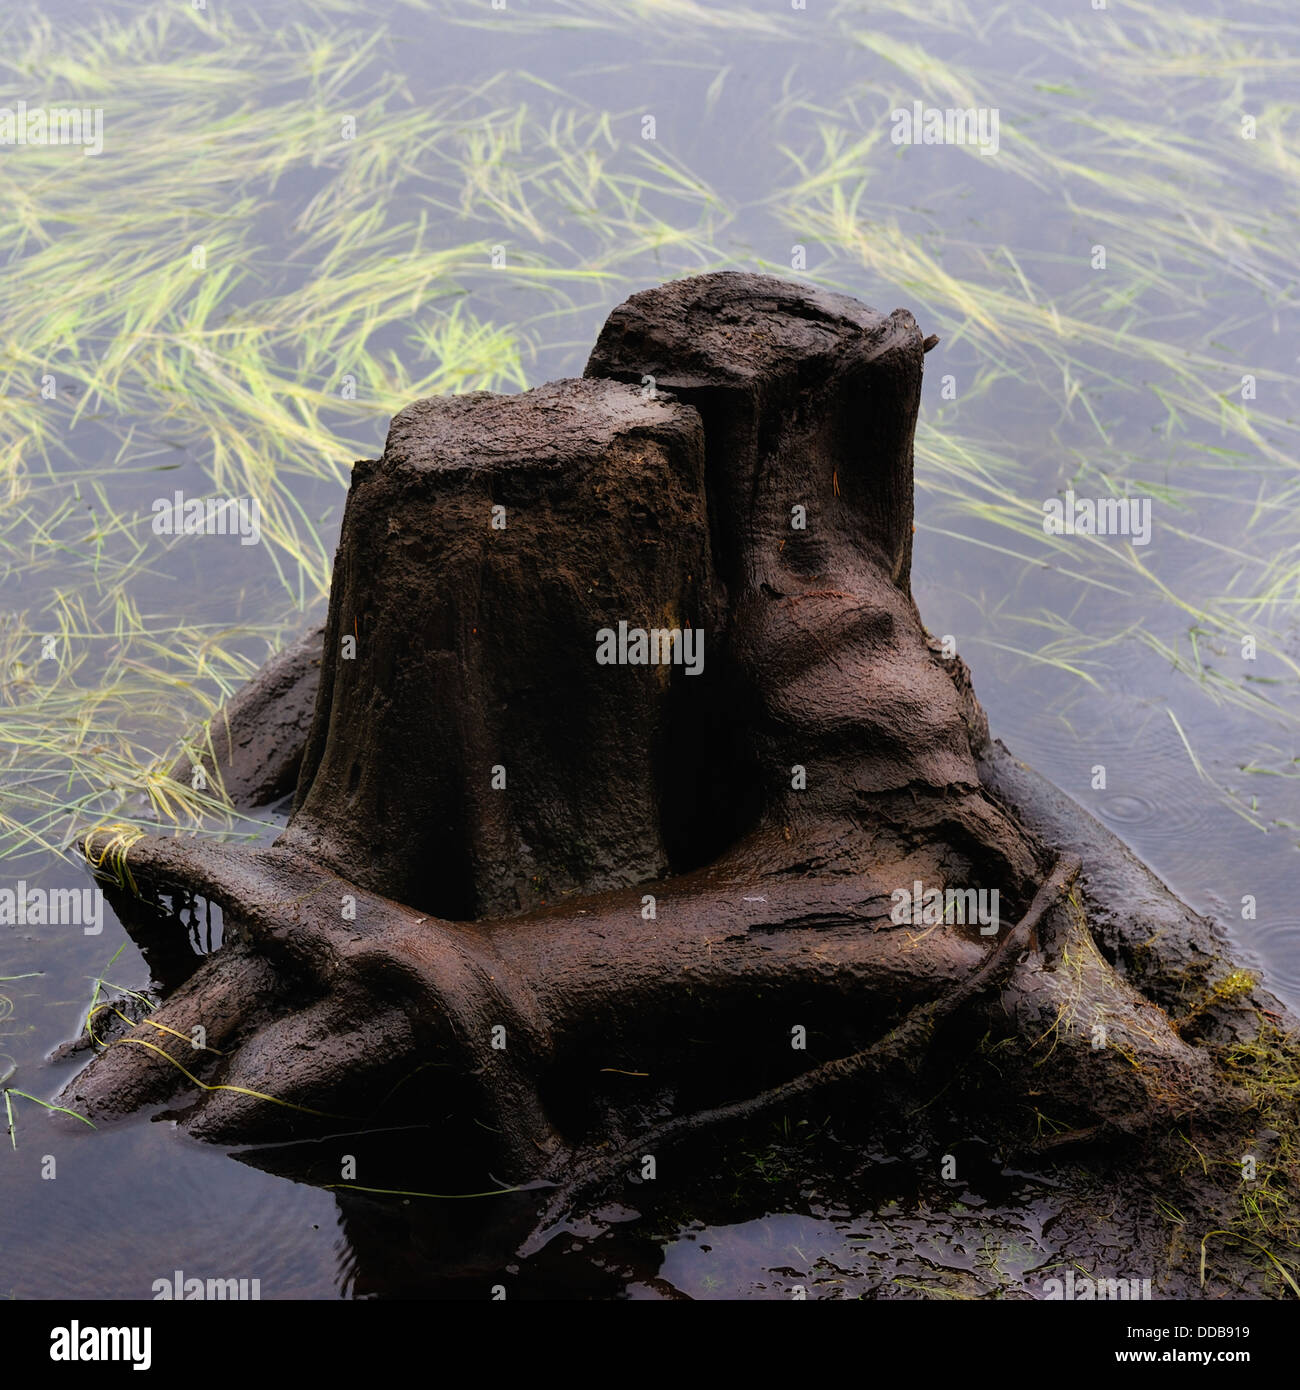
point(269, 370)
point(6, 1009)
point(436, 1196)
point(11, 1091)
point(223, 1086)
point(687, 20)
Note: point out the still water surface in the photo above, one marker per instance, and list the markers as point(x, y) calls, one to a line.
point(524, 129)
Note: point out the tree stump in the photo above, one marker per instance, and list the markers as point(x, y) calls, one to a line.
point(628, 739)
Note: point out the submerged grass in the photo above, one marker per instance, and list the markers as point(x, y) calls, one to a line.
point(306, 248)
point(11, 1067)
point(292, 234)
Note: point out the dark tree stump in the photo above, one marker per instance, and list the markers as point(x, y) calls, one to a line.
point(515, 876)
point(476, 650)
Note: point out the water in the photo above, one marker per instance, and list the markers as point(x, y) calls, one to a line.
point(1119, 129)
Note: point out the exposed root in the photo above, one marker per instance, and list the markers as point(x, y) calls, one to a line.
point(904, 1046)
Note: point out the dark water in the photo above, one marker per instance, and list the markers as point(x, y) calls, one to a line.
point(1075, 653)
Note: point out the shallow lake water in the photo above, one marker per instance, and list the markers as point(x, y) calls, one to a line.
point(306, 214)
